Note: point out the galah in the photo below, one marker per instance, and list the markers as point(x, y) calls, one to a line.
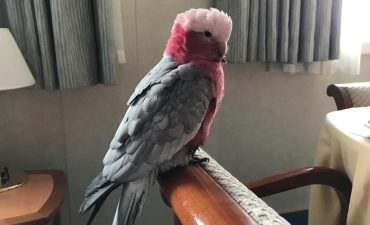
point(169, 114)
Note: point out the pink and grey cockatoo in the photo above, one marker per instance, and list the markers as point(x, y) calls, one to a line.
point(169, 114)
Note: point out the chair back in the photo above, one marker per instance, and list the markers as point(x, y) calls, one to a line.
point(350, 94)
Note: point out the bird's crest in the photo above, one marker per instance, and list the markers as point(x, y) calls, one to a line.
point(201, 20)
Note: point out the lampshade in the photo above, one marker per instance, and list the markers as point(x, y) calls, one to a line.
point(14, 72)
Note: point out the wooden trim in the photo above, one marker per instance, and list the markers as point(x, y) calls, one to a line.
point(197, 199)
point(51, 206)
point(302, 177)
point(340, 95)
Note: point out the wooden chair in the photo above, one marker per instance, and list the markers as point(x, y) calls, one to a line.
point(207, 194)
point(350, 94)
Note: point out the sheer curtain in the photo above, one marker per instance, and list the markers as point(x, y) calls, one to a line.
point(354, 30)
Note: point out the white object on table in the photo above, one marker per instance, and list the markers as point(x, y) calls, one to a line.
point(340, 148)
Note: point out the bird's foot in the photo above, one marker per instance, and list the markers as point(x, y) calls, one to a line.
point(194, 151)
point(196, 160)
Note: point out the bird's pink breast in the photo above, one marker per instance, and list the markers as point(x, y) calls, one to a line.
point(179, 46)
point(216, 75)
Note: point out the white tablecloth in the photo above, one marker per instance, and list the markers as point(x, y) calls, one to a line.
point(340, 148)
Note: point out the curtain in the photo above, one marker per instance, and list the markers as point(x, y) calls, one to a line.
point(66, 43)
point(295, 35)
point(354, 19)
point(354, 25)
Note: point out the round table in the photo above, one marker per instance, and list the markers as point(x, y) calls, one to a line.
point(343, 145)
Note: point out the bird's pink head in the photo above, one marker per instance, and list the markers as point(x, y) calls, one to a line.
point(199, 34)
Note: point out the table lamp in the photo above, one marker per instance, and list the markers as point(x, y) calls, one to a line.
point(14, 73)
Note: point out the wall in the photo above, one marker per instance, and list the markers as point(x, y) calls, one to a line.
point(268, 122)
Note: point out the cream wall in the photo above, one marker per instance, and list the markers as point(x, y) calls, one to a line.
point(268, 122)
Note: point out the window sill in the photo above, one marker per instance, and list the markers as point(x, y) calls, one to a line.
point(365, 48)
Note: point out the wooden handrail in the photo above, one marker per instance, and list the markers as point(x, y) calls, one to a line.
point(197, 199)
point(302, 177)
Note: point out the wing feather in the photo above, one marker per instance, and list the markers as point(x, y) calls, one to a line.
point(165, 112)
point(165, 66)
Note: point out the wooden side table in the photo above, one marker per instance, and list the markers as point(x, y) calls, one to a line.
point(35, 202)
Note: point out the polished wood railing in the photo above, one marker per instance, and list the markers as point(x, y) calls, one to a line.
point(196, 198)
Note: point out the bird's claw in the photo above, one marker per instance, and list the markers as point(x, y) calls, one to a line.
point(196, 161)
point(194, 151)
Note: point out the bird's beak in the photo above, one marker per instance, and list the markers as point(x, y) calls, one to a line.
point(222, 49)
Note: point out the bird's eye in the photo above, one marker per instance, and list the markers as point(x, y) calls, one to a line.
point(208, 34)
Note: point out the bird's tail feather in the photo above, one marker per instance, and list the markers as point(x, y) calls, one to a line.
point(96, 193)
point(132, 200)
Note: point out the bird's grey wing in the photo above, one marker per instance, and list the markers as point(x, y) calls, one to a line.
point(163, 67)
point(159, 122)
